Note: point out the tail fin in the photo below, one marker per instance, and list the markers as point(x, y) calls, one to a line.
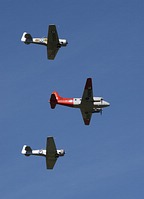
point(26, 38)
point(26, 150)
point(54, 99)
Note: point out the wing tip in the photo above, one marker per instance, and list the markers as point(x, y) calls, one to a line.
point(52, 25)
point(88, 83)
point(86, 121)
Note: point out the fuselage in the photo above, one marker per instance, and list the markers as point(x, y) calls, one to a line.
point(88, 106)
point(44, 41)
point(42, 152)
point(97, 102)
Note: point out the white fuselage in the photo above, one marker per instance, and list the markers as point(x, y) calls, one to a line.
point(97, 102)
point(41, 152)
point(44, 41)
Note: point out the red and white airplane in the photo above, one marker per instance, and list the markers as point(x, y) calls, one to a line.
point(87, 104)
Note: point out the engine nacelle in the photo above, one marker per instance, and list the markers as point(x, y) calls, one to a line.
point(97, 110)
point(97, 99)
point(63, 42)
point(60, 152)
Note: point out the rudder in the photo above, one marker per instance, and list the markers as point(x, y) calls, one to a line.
point(54, 99)
point(26, 38)
point(26, 150)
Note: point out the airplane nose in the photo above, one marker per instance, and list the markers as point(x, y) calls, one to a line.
point(106, 104)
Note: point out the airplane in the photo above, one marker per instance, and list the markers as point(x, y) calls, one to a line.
point(87, 104)
point(51, 153)
point(52, 41)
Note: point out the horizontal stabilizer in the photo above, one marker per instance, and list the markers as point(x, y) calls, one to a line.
point(26, 38)
point(26, 150)
point(53, 101)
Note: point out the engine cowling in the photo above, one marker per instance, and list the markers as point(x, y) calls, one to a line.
point(61, 152)
point(63, 42)
point(97, 99)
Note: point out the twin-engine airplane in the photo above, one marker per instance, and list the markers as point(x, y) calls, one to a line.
point(87, 104)
point(51, 153)
point(52, 42)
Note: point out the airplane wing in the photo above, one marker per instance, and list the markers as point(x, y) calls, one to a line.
point(87, 102)
point(86, 117)
point(50, 153)
point(53, 41)
point(88, 92)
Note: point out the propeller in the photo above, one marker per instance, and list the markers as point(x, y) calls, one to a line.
point(101, 111)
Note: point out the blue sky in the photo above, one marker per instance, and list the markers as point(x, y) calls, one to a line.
point(106, 42)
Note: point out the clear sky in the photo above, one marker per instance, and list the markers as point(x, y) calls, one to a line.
point(106, 42)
